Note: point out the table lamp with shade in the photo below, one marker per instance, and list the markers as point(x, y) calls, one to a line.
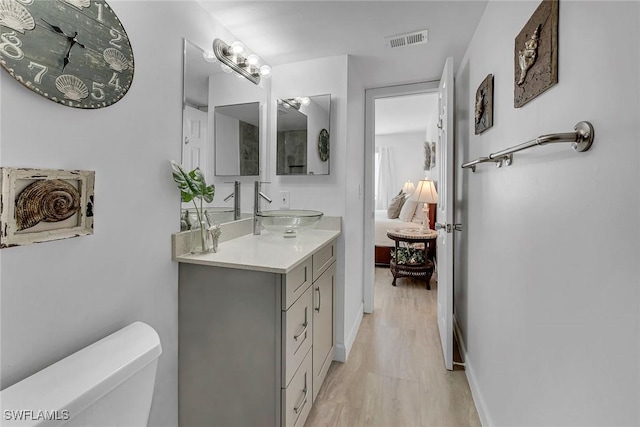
point(408, 187)
point(425, 193)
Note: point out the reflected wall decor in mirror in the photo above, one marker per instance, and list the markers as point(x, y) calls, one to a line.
point(303, 135)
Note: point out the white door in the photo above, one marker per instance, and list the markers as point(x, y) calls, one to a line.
point(194, 139)
point(445, 213)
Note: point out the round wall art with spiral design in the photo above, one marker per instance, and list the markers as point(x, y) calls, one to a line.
point(323, 145)
point(40, 205)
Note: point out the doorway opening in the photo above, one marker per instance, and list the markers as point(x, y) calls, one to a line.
point(400, 124)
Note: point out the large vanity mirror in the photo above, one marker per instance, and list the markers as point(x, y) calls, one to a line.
point(223, 119)
point(303, 135)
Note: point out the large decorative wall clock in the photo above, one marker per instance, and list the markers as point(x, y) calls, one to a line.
point(74, 52)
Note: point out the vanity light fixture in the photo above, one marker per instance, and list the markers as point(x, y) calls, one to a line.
point(209, 56)
point(296, 102)
point(232, 57)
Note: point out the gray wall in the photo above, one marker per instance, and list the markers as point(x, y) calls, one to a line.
point(58, 297)
point(546, 290)
point(407, 157)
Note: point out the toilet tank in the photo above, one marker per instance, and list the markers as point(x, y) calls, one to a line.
point(109, 383)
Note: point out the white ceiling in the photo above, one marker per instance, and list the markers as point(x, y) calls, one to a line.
point(290, 31)
point(406, 114)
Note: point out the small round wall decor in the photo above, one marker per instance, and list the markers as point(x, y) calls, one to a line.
point(323, 145)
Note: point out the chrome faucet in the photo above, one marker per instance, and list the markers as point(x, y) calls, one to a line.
point(256, 205)
point(236, 199)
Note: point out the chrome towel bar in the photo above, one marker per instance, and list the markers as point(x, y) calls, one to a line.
point(581, 140)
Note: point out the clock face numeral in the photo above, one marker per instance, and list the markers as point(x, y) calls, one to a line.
point(73, 52)
point(96, 91)
point(43, 69)
point(115, 82)
point(10, 46)
point(117, 37)
point(100, 12)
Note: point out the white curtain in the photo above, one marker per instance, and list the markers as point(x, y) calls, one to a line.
point(384, 176)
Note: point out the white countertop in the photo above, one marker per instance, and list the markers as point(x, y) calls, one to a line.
point(266, 252)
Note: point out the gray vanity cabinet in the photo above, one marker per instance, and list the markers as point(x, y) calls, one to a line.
point(254, 346)
point(323, 324)
point(323, 314)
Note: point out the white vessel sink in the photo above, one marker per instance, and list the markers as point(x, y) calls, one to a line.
point(289, 222)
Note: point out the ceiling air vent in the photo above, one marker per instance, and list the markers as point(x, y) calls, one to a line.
point(409, 39)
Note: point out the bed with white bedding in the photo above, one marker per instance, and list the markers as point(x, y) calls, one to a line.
point(383, 223)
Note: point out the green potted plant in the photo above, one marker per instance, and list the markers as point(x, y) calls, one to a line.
point(192, 186)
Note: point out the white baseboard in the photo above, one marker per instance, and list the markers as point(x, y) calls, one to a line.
point(483, 414)
point(343, 349)
point(341, 353)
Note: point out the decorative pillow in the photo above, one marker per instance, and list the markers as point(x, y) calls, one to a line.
point(407, 211)
point(396, 204)
point(418, 215)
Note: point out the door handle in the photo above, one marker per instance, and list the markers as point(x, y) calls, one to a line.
point(449, 228)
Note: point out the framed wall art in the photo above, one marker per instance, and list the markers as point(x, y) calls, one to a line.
point(433, 155)
point(484, 105)
point(40, 205)
point(536, 54)
point(427, 155)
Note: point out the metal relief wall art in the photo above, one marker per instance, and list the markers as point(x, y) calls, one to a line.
point(484, 105)
point(536, 54)
point(323, 145)
point(427, 155)
point(433, 155)
point(40, 205)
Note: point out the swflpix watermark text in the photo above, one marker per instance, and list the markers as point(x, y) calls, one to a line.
point(35, 415)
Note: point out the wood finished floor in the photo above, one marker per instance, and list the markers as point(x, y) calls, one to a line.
point(395, 373)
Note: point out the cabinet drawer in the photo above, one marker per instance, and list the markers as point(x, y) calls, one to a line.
point(296, 282)
point(297, 334)
point(296, 398)
point(323, 259)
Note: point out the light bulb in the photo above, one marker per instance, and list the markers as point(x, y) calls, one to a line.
point(305, 101)
point(237, 48)
point(265, 71)
point(253, 59)
point(209, 56)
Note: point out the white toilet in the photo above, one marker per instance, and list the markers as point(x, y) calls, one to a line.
point(109, 383)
